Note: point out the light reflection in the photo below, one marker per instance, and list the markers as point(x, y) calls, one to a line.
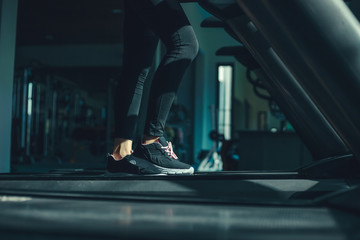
point(14, 199)
point(125, 217)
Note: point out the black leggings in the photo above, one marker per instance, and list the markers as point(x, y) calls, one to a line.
point(147, 21)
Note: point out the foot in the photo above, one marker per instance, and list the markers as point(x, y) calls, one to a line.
point(160, 159)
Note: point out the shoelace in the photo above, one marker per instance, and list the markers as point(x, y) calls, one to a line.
point(169, 150)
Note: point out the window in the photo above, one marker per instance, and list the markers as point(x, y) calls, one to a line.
point(225, 79)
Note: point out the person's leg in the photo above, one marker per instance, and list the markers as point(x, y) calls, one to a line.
point(139, 48)
point(167, 19)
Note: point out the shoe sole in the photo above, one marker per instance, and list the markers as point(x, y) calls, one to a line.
point(149, 168)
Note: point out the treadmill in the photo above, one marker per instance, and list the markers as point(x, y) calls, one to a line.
point(292, 42)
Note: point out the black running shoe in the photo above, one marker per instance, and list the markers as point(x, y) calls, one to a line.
point(125, 165)
point(162, 158)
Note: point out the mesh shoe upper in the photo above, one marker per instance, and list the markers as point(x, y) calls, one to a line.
point(158, 154)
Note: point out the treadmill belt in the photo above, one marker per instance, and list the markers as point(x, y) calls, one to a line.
point(228, 188)
point(44, 218)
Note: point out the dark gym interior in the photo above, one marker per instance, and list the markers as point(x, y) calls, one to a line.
point(267, 114)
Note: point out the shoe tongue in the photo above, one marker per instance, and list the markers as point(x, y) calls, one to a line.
point(163, 142)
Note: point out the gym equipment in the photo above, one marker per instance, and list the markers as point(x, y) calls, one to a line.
point(320, 138)
point(83, 204)
point(49, 110)
point(244, 57)
point(211, 161)
point(307, 57)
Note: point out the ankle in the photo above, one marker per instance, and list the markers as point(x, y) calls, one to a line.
point(122, 148)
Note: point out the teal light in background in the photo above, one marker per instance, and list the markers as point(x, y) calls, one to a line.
point(8, 17)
